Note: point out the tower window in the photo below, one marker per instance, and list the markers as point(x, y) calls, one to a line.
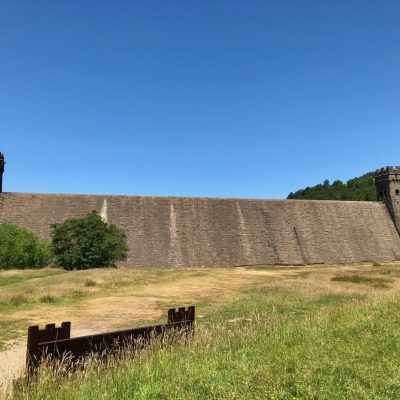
point(397, 192)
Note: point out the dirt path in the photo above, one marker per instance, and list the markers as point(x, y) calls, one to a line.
point(12, 361)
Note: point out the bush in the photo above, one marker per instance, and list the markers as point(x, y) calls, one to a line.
point(20, 248)
point(88, 242)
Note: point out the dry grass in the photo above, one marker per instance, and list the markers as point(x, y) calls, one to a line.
point(283, 332)
point(103, 299)
point(108, 298)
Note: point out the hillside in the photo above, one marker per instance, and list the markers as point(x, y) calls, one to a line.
point(359, 189)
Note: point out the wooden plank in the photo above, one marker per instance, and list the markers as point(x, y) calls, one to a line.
point(84, 345)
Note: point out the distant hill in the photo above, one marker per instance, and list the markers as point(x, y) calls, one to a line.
point(361, 188)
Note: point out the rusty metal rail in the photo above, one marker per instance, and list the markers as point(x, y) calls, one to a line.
point(56, 342)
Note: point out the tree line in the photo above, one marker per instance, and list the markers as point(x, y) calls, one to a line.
point(357, 189)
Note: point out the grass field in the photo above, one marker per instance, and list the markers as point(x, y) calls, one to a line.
point(318, 332)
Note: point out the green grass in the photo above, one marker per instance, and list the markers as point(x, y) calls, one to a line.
point(363, 279)
point(48, 299)
point(8, 278)
point(18, 300)
point(269, 343)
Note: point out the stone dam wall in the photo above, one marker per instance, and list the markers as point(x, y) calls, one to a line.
point(184, 232)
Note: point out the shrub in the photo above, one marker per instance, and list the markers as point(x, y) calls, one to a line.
point(20, 248)
point(89, 283)
point(89, 242)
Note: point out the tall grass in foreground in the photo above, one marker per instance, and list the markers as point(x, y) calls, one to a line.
point(273, 345)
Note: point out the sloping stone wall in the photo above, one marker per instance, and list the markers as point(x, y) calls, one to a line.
point(179, 231)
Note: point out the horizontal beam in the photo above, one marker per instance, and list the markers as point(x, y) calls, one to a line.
point(83, 345)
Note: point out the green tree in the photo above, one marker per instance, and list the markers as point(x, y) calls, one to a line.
point(361, 188)
point(89, 242)
point(20, 248)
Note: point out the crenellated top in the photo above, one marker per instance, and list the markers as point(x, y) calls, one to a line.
point(389, 169)
point(2, 163)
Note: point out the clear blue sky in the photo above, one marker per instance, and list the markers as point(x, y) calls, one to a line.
point(198, 98)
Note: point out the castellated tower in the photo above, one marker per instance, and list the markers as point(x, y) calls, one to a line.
point(387, 181)
point(2, 163)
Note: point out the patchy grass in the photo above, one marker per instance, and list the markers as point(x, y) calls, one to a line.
point(11, 277)
point(48, 299)
point(363, 280)
point(98, 297)
point(89, 283)
point(372, 262)
point(277, 342)
point(276, 319)
point(18, 299)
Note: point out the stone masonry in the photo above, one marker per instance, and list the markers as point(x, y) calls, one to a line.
point(193, 232)
point(181, 231)
point(387, 181)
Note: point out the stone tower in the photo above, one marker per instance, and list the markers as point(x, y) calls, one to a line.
point(387, 181)
point(2, 163)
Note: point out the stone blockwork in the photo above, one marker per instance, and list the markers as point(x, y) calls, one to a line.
point(387, 181)
point(178, 231)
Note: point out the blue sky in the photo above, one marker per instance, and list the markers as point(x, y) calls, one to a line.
point(197, 98)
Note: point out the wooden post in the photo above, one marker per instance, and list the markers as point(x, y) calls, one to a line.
point(183, 315)
point(36, 336)
point(32, 353)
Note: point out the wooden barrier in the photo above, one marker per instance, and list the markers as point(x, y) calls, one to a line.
point(57, 342)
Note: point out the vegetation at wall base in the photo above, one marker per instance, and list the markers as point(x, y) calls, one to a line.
point(88, 242)
point(20, 248)
point(357, 189)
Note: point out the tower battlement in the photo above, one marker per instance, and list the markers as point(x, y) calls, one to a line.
point(388, 170)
